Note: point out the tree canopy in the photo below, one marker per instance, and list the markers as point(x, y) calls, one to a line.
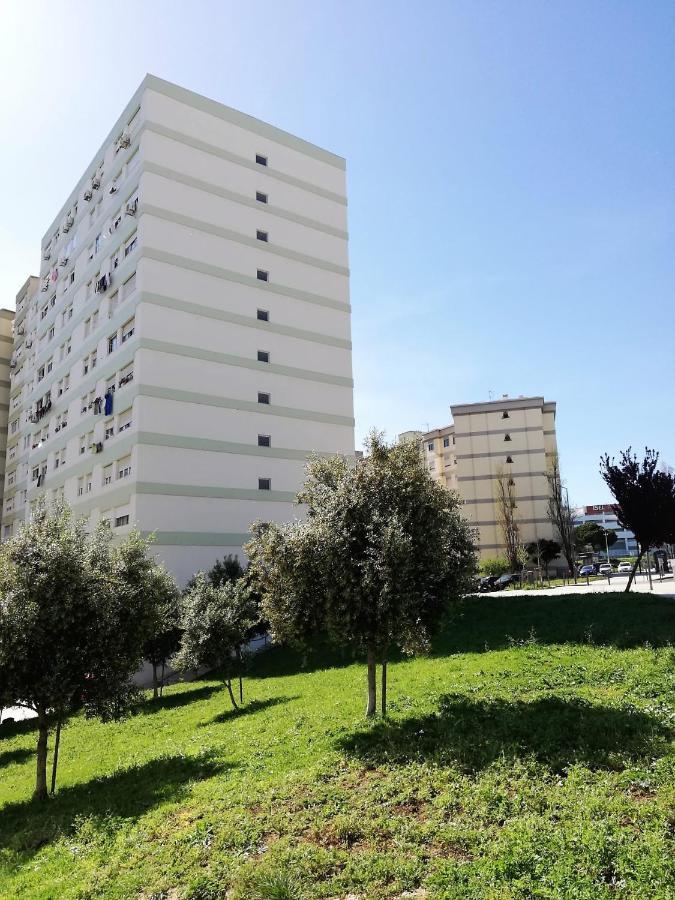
point(543, 551)
point(594, 535)
point(73, 619)
point(382, 553)
point(645, 499)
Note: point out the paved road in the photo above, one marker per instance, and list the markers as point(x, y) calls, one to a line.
point(664, 588)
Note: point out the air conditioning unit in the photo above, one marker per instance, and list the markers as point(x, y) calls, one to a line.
point(113, 188)
point(98, 448)
point(21, 330)
point(63, 262)
point(45, 286)
point(95, 182)
point(46, 253)
point(124, 140)
point(29, 344)
point(12, 365)
point(131, 208)
point(88, 194)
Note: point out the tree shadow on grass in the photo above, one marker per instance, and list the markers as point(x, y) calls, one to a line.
point(126, 794)
point(471, 734)
point(20, 755)
point(175, 700)
point(248, 709)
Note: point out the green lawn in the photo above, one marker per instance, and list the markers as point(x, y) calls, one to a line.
point(530, 756)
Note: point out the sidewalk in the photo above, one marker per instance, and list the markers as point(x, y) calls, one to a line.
point(665, 588)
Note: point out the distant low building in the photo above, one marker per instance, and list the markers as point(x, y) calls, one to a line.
point(603, 514)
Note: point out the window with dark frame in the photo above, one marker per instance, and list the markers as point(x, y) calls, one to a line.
point(507, 437)
point(263, 315)
point(264, 484)
point(263, 356)
point(505, 415)
point(263, 397)
point(262, 235)
point(261, 160)
point(262, 275)
point(264, 440)
point(509, 459)
point(260, 197)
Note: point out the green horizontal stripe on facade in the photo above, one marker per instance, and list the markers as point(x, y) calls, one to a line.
point(469, 434)
point(268, 208)
point(212, 493)
point(184, 442)
point(494, 501)
point(492, 477)
point(169, 215)
point(183, 262)
point(117, 497)
point(197, 538)
point(505, 452)
point(210, 312)
point(213, 150)
point(284, 412)
point(228, 359)
point(242, 120)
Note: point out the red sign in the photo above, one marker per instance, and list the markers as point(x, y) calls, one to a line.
point(599, 508)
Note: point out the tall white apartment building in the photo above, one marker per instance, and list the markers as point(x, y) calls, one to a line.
point(188, 344)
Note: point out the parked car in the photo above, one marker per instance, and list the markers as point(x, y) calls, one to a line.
point(625, 568)
point(587, 570)
point(605, 569)
point(504, 581)
point(487, 583)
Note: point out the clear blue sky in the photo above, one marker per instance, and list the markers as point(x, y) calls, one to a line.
point(511, 182)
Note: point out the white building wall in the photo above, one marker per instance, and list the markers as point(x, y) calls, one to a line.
point(178, 330)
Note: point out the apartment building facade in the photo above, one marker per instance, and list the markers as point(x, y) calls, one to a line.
point(189, 343)
point(6, 352)
point(513, 439)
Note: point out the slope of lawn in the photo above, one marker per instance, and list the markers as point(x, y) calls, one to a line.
point(530, 755)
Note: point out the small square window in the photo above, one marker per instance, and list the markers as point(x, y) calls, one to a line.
point(263, 397)
point(264, 440)
point(430, 446)
point(261, 160)
point(263, 356)
point(262, 235)
point(121, 520)
point(263, 315)
point(509, 459)
point(446, 442)
point(505, 415)
point(262, 275)
point(260, 197)
point(264, 484)
point(507, 437)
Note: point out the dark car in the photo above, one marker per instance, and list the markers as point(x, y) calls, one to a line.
point(487, 584)
point(587, 570)
point(504, 581)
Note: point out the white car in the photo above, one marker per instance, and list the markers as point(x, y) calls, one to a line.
point(605, 569)
point(625, 568)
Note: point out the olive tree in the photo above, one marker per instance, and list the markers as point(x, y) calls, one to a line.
point(381, 555)
point(165, 632)
point(216, 624)
point(73, 619)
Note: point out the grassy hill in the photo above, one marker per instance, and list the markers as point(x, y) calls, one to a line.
point(530, 756)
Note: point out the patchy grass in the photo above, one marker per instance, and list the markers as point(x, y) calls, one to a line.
point(530, 756)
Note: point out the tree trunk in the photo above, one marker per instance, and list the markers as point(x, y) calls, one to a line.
point(55, 756)
point(241, 680)
point(383, 697)
point(155, 683)
point(42, 748)
point(229, 688)
point(161, 683)
point(371, 708)
point(635, 566)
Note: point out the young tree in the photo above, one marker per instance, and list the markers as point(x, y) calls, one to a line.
point(72, 623)
point(165, 631)
point(645, 499)
point(382, 553)
point(560, 513)
point(543, 552)
point(594, 535)
point(505, 497)
point(497, 566)
point(223, 570)
point(216, 625)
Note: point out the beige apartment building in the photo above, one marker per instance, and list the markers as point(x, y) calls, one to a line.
point(189, 342)
point(511, 438)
